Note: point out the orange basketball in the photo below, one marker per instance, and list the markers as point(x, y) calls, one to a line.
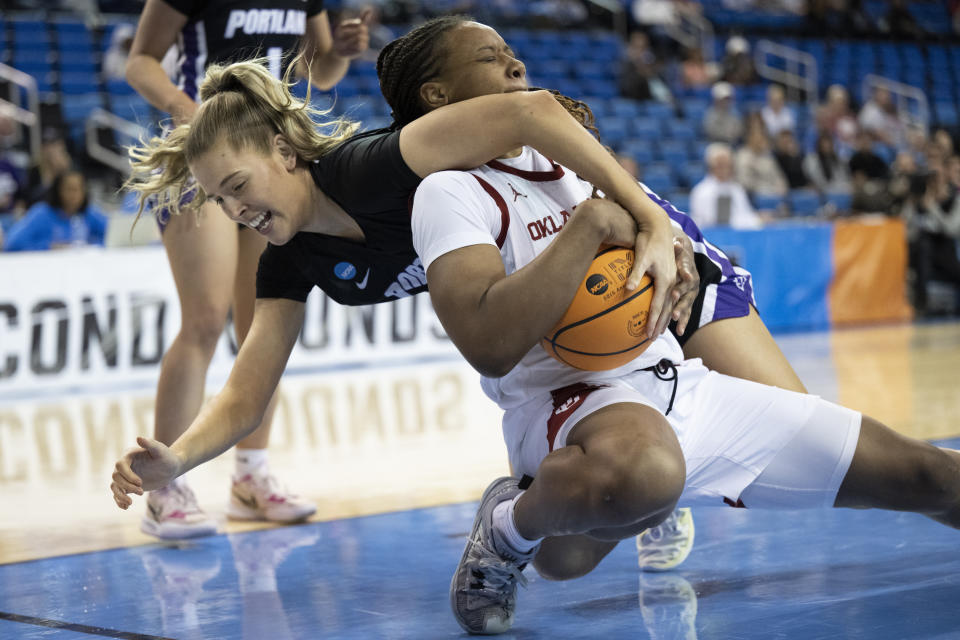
point(605, 325)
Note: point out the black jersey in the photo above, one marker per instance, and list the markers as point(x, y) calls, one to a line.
point(367, 176)
point(233, 30)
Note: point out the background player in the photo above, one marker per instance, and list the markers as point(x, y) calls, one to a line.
point(212, 259)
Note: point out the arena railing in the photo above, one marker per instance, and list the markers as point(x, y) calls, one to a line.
point(29, 117)
point(103, 119)
point(799, 74)
point(912, 104)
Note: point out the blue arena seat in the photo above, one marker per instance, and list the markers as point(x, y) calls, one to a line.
point(841, 200)
point(804, 202)
point(646, 128)
point(676, 153)
point(765, 202)
point(78, 82)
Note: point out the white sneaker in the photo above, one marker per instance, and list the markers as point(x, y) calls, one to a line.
point(173, 514)
point(665, 546)
point(260, 496)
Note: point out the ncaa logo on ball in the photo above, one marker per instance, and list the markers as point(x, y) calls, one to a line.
point(636, 323)
point(597, 284)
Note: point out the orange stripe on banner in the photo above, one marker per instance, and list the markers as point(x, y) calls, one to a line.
point(870, 272)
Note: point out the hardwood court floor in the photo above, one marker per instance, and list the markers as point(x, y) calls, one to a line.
point(390, 440)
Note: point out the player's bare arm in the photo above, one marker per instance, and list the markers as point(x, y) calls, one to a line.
point(477, 302)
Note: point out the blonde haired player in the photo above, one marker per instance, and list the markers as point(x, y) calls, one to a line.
point(213, 260)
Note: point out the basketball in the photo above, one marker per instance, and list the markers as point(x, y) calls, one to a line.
point(605, 325)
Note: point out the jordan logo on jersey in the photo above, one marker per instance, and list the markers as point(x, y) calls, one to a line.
point(516, 194)
point(259, 21)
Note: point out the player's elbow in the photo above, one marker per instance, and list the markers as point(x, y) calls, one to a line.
point(530, 107)
point(492, 360)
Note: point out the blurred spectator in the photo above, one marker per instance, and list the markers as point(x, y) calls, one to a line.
point(721, 122)
point(916, 144)
point(65, 219)
point(776, 116)
point(835, 117)
point(12, 181)
point(115, 59)
point(695, 73)
point(638, 68)
point(944, 140)
point(953, 171)
point(737, 65)
point(790, 160)
point(825, 169)
point(870, 175)
point(756, 167)
point(718, 199)
point(12, 185)
point(898, 22)
point(54, 160)
point(879, 118)
point(557, 13)
point(906, 181)
point(933, 227)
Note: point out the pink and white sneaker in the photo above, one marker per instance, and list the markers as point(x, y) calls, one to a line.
point(173, 514)
point(260, 496)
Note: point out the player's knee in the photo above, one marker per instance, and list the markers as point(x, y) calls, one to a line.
point(572, 562)
point(204, 326)
point(642, 483)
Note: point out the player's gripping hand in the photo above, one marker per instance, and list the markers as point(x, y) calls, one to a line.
point(352, 37)
point(655, 255)
point(150, 466)
point(687, 286)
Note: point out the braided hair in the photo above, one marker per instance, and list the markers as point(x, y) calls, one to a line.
point(409, 61)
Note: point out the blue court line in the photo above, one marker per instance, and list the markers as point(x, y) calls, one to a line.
point(81, 628)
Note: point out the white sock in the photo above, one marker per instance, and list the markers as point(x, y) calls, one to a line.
point(249, 461)
point(505, 525)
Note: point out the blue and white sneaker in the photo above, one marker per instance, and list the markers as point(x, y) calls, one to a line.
point(667, 545)
point(483, 592)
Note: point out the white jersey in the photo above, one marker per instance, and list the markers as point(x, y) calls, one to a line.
point(518, 205)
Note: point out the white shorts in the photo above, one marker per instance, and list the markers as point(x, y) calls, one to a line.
point(745, 444)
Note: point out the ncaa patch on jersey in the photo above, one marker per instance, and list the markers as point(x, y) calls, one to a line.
point(344, 270)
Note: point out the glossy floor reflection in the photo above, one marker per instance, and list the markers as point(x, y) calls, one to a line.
point(752, 575)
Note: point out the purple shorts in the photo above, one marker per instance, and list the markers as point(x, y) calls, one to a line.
point(726, 291)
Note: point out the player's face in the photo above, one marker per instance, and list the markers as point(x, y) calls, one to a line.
point(257, 190)
point(478, 62)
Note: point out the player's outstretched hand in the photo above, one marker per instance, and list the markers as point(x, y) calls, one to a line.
point(150, 466)
point(687, 286)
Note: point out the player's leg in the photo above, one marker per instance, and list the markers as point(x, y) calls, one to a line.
point(892, 471)
point(620, 465)
point(255, 492)
point(743, 348)
point(202, 258)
